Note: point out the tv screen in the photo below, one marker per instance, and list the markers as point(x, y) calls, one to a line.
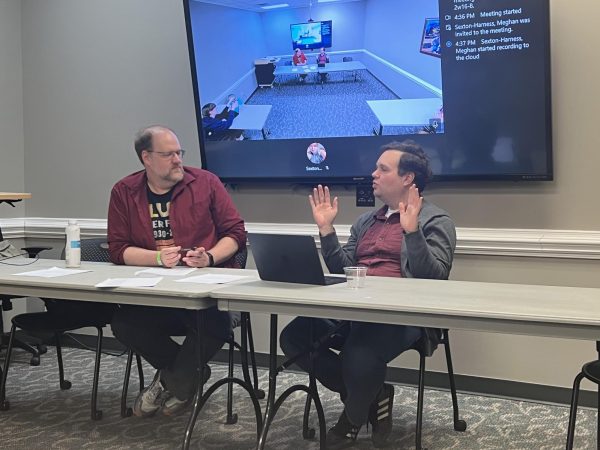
point(469, 81)
point(430, 42)
point(311, 35)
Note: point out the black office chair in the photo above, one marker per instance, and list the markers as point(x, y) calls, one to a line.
point(591, 371)
point(247, 343)
point(62, 316)
point(238, 319)
point(31, 344)
point(354, 72)
point(425, 347)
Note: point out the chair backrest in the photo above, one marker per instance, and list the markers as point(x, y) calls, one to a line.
point(429, 341)
point(93, 249)
point(347, 59)
point(240, 258)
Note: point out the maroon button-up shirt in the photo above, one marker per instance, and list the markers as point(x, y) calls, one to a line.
point(379, 248)
point(201, 213)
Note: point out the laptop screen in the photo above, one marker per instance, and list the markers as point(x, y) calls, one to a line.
point(287, 258)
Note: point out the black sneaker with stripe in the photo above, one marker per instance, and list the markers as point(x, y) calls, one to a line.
point(380, 415)
point(343, 434)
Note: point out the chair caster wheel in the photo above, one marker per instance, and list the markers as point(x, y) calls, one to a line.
point(34, 361)
point(128, 413)
point(97, 415)
point(231, 420)
point(65, 385)
point(460, 425)
point(42, 349)
point(309, 434)
point(260, 394)
point(5, 405)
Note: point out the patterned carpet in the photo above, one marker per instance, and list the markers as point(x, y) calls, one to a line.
point(310, 109)
point(44, 417)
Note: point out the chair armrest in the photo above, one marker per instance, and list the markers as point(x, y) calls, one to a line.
point(33, 252)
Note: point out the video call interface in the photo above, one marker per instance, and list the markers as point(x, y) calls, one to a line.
point(305, 94)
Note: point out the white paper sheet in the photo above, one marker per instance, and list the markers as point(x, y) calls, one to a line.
point(166, 272)
point(129, 282)
point(212, 278)
point(53, 272)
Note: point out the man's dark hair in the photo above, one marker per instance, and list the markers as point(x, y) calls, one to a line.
point(206, 109)
point(144, 138)
point(413, 160)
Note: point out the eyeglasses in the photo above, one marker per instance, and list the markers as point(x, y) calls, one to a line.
point(169, 155)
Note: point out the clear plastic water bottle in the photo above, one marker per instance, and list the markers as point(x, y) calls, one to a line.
point(73, 244)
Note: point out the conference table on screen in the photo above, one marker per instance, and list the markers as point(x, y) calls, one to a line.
point(347, 66)
point(551, 311)
point(81, 287)
point(405, 112)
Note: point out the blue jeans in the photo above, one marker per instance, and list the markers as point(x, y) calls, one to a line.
point(357, 373)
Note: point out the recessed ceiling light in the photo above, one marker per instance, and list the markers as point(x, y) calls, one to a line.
point(280, 5)
point(327, 1)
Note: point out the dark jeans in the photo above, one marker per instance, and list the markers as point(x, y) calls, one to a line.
point(357, 373)
point(78, 312)
point(148, 332)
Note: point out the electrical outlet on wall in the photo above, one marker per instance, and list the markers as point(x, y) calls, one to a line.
point(364, 195)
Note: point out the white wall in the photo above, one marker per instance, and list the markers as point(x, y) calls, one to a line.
point(96, 71)
point(11, 104)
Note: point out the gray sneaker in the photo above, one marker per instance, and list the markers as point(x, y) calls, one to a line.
point(172, 406)
point(150, 399)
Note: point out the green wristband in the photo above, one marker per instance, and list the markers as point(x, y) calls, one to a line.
point(158, 260)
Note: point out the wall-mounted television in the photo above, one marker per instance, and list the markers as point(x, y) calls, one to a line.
point(311, 35)
point(481, 108)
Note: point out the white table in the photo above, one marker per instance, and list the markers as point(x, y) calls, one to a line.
point(405, 112)
point(348, 66)
point(553, 311)
point(251, 117)
point(167, 293)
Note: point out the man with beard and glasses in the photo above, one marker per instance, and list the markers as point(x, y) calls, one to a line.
point(153, 216)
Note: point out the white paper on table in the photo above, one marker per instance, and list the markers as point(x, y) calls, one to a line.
point(212, 278)
point(53, 272)
point(174, 272)
point(129, 282)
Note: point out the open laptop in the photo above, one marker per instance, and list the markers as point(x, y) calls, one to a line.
point(289, 259)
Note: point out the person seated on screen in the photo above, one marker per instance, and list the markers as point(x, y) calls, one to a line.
point(233, 103)
point(322, 59)
point(153, 214)
point(299, 59)
point(407, 237)
point(216, 125)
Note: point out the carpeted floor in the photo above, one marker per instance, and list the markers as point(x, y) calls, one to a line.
point(310, 109)
point(44, 417)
